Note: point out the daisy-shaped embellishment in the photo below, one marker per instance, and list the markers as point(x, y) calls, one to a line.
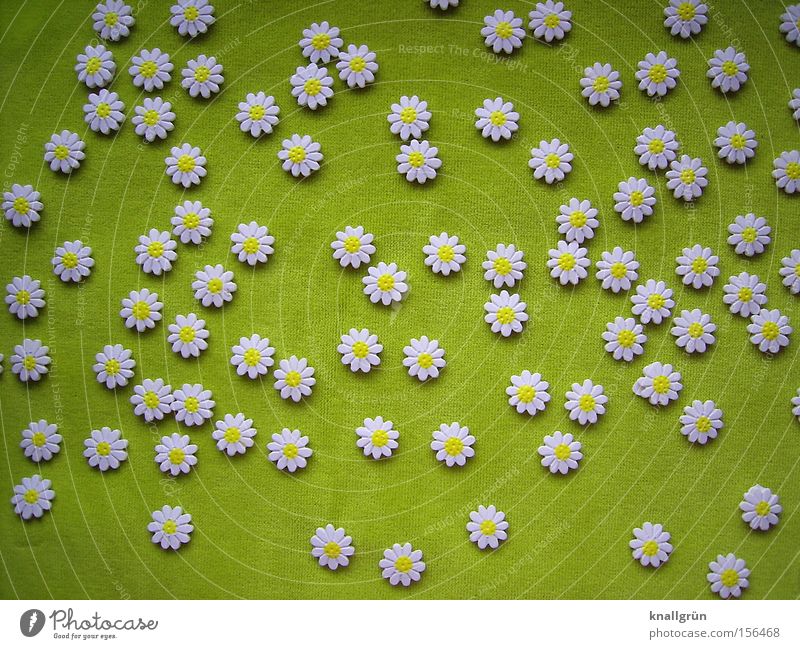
point(790, 24)
point(796, 404)
point(659, 384)
point(769, 330)
point(258, 114)
point(114, 366)
point(332, 547)
point(171, 527)
point(585, 402)
point(528, 393)
point(418, 161)
point(176, 454)
point(560, 452)
point(152, 399)
point(601, 84)
point(252, 356)
point(728, 69)
point(214, 286)
point(402, 564)
point(505, 313)
point(503, 31)
point(95, 66)
point(357, 66)
point(103, 113)
point(745, 294)
point(409, 117)
point(72, 261)
point(353, 247)
point(192, 405)
point(656, 147)
point(424, 358)
point(617, 269)
point(234, 434)
point(294, 378)
point(577, 220)
point(794, 104)
point(504, 265)
point(487, 527)
point(650, 545)
point(701, 421)
point(24, 297)
point(550, 21)
point(312, 86)
point(625, 339)
point(568, 262)
point(693, 331)
point(761, 507)
point(786, 171)
point(33, 497)
point(687, 178)
point(497, 119)
point(112, 20)
point(444, 254)
point(252, 243)
point(384, 283)
point(191, 222)
point(188, 335)
point(30, 361)
point(377, 437)
point(697, 266)
point(150, 69)
point(155, 252)
point(749, 234)
point(105, 448)
point(40, 441)
point(185, 165)
point(64, 151)
point(153, 119)
point(360, 350)
point(300, 155)
point(551, 160)
point(685, 18)
point(321, 42)
point(202, 76)
point(728, 576)
point(790, 271)
point(289, 450)
point(141, 310)
point(453, 444)
point(736, 142)
point(192, 17)
point(442, 4)
point(652, 302)
point(21, 205)
point(657, 74)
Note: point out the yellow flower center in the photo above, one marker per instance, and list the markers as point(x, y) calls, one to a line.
point(215, 285)
point(551, 21)
point(425, 360)
point(566, 261)
point(93, 65)
point(352, 244)
point(657, 73)
point(232, 435)
point(729, 68)
point(103, 110)
point(69, 260)
point(577, 219)
point(408, 115)
point(251, 245)
point(503, 29)
point(293, 379)
point(357, 64)
point(626, 338)
point(762, 508)
point(186, 163)
point(103, 448)
point(29, 362)
point(562, 452)
point(687, 176)
point(191, 404)
point(187, 334)
point(360, 349)
point(797, 270)
point(141, 310)
point(151, 117)
point(403, 564)
point(650, 548)
point(793, 170)
point(502, 266)
point(191, 13)
point(488, 528)
point(191, 220)
point(526, 394)
point(201, 73)
point(703, 424)
point(699, 265)
point(169, 527)
point(252, 357)
point(386, 282)
point(730, 578)
point(111, 19)
point(112, 366)
point(749, 235)
point(61, 152)
point(31, 496)
point(505, 315)
point(498, 118)
point(552, 161)
point(738, 141)
point(745, 294)
point(297, 154)
point(453, 446)
point(601, 84)
point(636, 198)
point(290, 451)
point(695, 330)
point(148, 69)
point(21, 205)
point(656, 145)
point(586, 403)
point(445, 253)
point(416, 159)
point(256, 113)
point(379, 438)
point(176, 456)
point(23, 297)
point(770, 330)
point(151, 399)
point(686, 10)
point(321, 41)
point(155, 249)
point(332, 550)
point(661, 384)
point(39, 439)
point(312, 86)
point(618, 270)
point(656, 301)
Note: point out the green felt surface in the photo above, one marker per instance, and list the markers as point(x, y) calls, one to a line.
point(568, 535)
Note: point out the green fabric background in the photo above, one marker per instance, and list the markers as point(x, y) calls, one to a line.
point(568, 535)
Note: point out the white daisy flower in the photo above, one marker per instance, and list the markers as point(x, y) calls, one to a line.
point(40, 441)
point(418, 161)
point(257, 114)
point(442, 4)
point(453, 444)
point(585, 402)
point(105, 448)
point(697, 266)
point(202, 76)
point(175, 454)
point(357, 66)
point(687, 178)
point(528, 393)
point(504, 265)
point(153, 119)
point(156, 252)
point(321, 42)
point(188, 335)
point(185, 165)
point(786, 171)
point(312, 86)
point(409, 118)
point(214, 286)
point(577, 220)
point(103, 113)
point(505, 313)
point(192, 405)
point(72, 261)
point(790, 24)
point(24, 297)
point(289, 450)
point(617, 270)
point(657, 74)
point(444, 254)
point(749, 234)
point(171, 526)
point(384, 283)
point(252, 243)
point(497, 119)
point(114, 366)
point(761, 508)
point(64, 151)
point(503, 31)
point(141, 310)
point(653, 302)
point(694, 331)
point(770, 330)
point(549, 20)
point(736, 142)
point(150, 69)
point(560, 452)
point(790, 271)
point(234, 434)
point(659, 384)
point(152, 399)
point(332, 547)
point(353, 246)
point(252, 356)
point(656, 147)
point(487, 527)
point(701, 421)
point(624, 339)
point(650, 545)
point(95, 66)
point(112, 20)
point(33, 497)
point(601, 84)
point(30, 360)
point(192, 222)
point(294, 378)
point(22, 205)
point(300, 155)
point(728, 576)
point(360, 350)
point(745, 294)
point(424, 358)
point(727, 69)
point(550, 160)
point(796, 404)
point(192, 17)
point(794, 104)
point(402, 564)
point(377, 438)
point(685, 18)
point(568, 262)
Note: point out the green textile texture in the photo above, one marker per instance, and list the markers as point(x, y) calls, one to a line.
point(568, 535)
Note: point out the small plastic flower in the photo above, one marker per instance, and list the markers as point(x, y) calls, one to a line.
point(736, 142)
point(141, 310)
point(252, 356)
point(697, 266)
point(550, 21)
point(568, 262)
point(188, 335)
point(727, 70)
point(497, 119)
point(24, 297)
point(769, 330)
point(790, 271)
point(22, 205)
point(155, 252)
point(749, 234)
point(685, 18)
point(105, 448)
point(728, 576)
point(252, 243)
point(112, 20)
point(653, 302)
point(687, 178)
point(357, 66)
point(150, 69)
point(40, 441)
point(321, 42)
point(794, 104)
point(153, 119)
point(444, 254)
point(409, 118)
point(402, 564)
point(453, 444)
point(418, 161)
point(258, 114)
point(796, 404)
point(33, 497)
point(560, 452)
point(185, 165)
point(624, 339)
point(202, 76)
point(442, 4)
point(528, 393)
point(505, 313)
point(617, 269)
point(745, 294)
point(360, 350)
point(294, 378)
point(353, 246)
point(650, 545)
point(312, 86)
point(424, 358)
point(585, 402)
point(657, 74)
point(175, 454)
point(504, 265)
point(601, 84)
point(701, 421)
point(72, 261)
point(103, 113)
point(95, 66)
point(761, 508)
point(214, 286)
point(193, 405)
point(487, 527)
point(659, 384)
point(114, 366)
point(300, 155)
point(234, 434)
point(790, 24)
point(332, 547)
point(656, 147)
point(384, 283)
point(64, 151)
point(192, 222)
point(694, 331)
point(30, 360)
point(550, 160)
point(171, 527)
point(577, 220)
point(503, 31)
point(377, 437)
point(289, 450)
point(152, 399)
point(192, 17)
point(786, 171)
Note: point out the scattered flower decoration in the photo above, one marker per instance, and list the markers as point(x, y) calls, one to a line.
point(156, 252)
point(330, 545)
point(551, 160)
point(105, 448)
point(22, 205)
point(152, 399)
point(151, 69)
point(761, 508)
point(453, 444)
point(33, 497)
point(25, 297)
point(497, 119)
point(171, 526)
point(64, 151)
point(550, 21)
point(188, 335)
point(353, 246)
point(790, 271)
point(72, 261)
point(749, 234)
point(650, 545)
point(617, 269)
point(585, 402)
point(786, 172)
point(504, 265)
point(424, 358)
point(252, 243)
point(214, 286)
point(601, 84)
point(192, 222)
point(694, 331)
point(289, 450)
point(192, 405)
point(294, 378)
point(360, 350)
point(736, 142)
point(312, 86)
point(175, 454)
point(258, 114)
point(418, 161)
point(252, 356)
point(659, 384)
point(728, 576)
point(103, 113)
point(300, 155)
point(377, 438)
point(444, 254)
point(656, 147)
point(790, 24)
point(114, 366)
point(794, 104)
point(687, 178)
point(234, 434)
point(357, 66)
point(505, 313)
point(409, 118)
point(528, 393)
point(321, 42)
point(745, 294)
point(95, 66)
point(697, 266)
point(727, 70)
point(442, 4)
point(141, 310)
point(796, 404)
point(112, 20)
point(560, 452)
point(653, 302)
point(487, 527)
point(701, 421)
point(402, 564)
point(192, 17)
point(153, 119)
point(577, 220)
point(657, 74)
point(624, 339)
point(40, 441)
point(185, 165)
point(384, 283)
point(503, 31)
point(770, 330)
point(568, 262)
point(685, 18)
point(30, 360)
